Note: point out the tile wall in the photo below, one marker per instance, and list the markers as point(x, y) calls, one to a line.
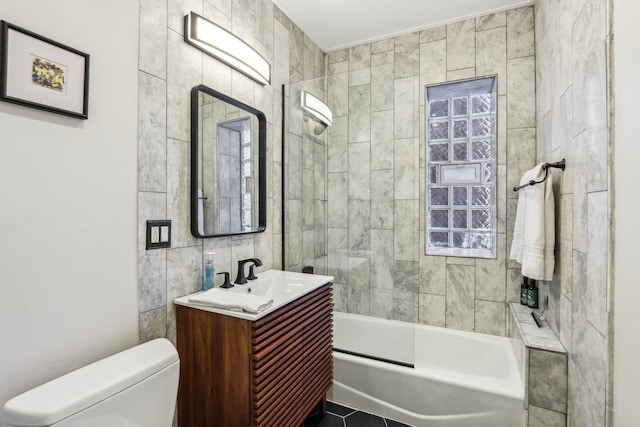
point(573, 118)
point(376, 171)
point(169, 68)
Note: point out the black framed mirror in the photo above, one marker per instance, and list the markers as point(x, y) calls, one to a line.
point(228, 165)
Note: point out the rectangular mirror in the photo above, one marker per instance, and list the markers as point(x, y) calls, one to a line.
point(228, 165)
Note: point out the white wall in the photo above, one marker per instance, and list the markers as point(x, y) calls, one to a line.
point(626, 399)
point(68, 204)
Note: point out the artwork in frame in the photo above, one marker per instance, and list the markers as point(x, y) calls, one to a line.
point(40, 73)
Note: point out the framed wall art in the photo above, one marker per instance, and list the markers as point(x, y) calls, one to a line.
point(40, 73)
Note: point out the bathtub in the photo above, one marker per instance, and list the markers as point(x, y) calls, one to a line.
point(442, 378)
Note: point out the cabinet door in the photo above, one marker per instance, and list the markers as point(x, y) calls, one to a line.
point(292, 360)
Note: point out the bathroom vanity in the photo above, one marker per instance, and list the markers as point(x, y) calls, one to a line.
point(269, 369)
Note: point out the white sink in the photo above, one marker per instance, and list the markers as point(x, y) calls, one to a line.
point(282, 287)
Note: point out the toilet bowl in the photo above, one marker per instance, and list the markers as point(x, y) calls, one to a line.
point(134, 388)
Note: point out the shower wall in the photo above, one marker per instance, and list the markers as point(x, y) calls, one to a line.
point(573, 112)
point(376, 171)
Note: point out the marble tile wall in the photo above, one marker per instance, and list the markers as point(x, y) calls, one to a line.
point(573, 120)
point(542, 360)
point(573, 112)
point(168, 69)
point(376, 171)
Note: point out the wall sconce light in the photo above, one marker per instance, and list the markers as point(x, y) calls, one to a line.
point(225, 46)
point(318, 109)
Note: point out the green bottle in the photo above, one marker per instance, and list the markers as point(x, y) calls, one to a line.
point(533, 294)
point(524, 291)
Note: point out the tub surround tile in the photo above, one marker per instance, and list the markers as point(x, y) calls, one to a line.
point(382, 199)
point(521, 112)
point(407, 55)
point(490, 317)
point(435, 54)
point(491, 280)
point(382, 142)
point(520, 32)
point(382, 303)
point(540, 417)
point(359, 57)
point(405, 107)
point(381, 89)
point(460, 302)
point(461, 40)
point(360, 77)
point(382, 268)
point(463, 74)
point(547, 380)
point(433, 271)
point(494, 20)
point(382, 46)
point(544, 365)
point(360, 113)
point(431, 310)
point(491, 48)
point(337, 149)
point(433, 34)
point(382, 58)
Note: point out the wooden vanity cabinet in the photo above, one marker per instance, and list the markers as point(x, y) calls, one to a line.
point(269, 372)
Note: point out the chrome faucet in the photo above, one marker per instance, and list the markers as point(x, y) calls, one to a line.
point(240, 278)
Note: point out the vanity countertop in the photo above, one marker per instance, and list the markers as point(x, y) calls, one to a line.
point(281, 286)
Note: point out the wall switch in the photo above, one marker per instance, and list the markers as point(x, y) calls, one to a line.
point(158, 234)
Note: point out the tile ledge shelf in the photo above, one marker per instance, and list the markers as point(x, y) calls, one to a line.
point(542, 338)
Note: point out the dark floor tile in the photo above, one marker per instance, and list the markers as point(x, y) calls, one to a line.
point(337, 409)
point(328, 420)
point(362, 419)
point(391, 423)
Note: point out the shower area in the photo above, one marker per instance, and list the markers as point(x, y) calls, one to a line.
point(351, 192)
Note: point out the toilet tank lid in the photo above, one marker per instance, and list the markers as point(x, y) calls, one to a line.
point(78, 390)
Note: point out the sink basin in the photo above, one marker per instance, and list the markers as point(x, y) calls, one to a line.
point(282, 287)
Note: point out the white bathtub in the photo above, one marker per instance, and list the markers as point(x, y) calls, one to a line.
point(460, 379)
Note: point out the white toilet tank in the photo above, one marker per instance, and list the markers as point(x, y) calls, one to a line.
point(134, 388)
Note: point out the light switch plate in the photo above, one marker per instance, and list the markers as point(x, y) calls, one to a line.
point(158, 234)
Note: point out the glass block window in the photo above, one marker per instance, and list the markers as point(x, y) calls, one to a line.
point(461, 168)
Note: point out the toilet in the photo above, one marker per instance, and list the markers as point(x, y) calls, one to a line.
point(134, 388)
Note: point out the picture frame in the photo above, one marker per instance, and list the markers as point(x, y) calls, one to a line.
point(40, 73)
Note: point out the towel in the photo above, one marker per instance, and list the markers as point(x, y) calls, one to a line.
point(534, 230)
point(219, 298)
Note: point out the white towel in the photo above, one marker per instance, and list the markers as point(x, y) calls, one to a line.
point(534, 230)
point(219, 298)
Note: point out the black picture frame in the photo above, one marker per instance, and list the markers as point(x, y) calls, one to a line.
point(41, 73)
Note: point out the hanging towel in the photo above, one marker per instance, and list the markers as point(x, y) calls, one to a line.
point(232, 301)
point(534, 230)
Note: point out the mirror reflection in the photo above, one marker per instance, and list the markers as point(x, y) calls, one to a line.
point(228, 183)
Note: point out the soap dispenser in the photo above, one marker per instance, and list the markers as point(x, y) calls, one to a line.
point(209, 271)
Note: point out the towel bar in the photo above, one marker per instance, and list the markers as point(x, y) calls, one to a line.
point(562, 164)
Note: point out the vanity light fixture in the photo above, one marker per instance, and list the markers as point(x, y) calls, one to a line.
point(316, 108)
point(225, 46)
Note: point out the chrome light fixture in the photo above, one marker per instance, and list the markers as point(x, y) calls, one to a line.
point(225, 46)
point(318, 109)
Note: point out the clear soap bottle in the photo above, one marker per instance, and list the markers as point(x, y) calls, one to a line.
point(209, 270)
